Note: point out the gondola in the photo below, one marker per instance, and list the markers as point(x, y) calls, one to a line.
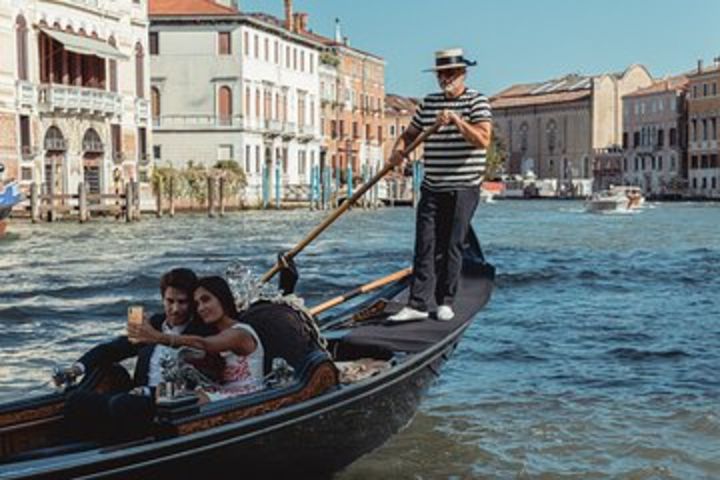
point(9, 197)
point(314, 426)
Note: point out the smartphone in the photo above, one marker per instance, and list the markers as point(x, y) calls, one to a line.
point(135, 317)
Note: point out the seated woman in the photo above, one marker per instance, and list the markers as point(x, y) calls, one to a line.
point(237, 342)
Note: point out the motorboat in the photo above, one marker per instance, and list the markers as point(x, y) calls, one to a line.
point(616, 199)
point(489, 190)
point(313, 426)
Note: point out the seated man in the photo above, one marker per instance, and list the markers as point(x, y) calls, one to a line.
point(121, 413)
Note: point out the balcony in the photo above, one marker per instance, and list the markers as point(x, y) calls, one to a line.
point(197, 122)
point(67, 98)
point(306, 132)
point(142, 110)
point(26, 94)
point(289, 129)
point(272, 127)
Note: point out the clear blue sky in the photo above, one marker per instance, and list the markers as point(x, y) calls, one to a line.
point(518, 41)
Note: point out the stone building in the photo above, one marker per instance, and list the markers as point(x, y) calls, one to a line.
point(398, 114)
point(352, 113)
point(654, 137)
point(703, 109)
point(227, 85)
point(74, 84)
point(554, 129)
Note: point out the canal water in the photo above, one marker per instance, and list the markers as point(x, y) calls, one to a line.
point(597, 357)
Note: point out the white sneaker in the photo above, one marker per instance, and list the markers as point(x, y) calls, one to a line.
point(445, 313)
point(408, 314)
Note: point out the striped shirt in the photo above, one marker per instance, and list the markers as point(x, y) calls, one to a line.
point(451, 162)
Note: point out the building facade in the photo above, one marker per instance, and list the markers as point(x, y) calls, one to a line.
point(399, 112)
point(352, 114)
point(234, 86)
point(703, 107)
point(654, 137)
point(554, 129)
point(74, 89)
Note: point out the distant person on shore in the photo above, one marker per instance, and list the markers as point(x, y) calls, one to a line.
point(122, 412)
point(454, 167)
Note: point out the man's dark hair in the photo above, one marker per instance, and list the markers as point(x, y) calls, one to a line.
point(183, 279)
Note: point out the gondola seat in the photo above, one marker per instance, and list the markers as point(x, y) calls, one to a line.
point(317, 375)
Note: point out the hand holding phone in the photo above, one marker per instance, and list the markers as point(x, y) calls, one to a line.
point(135, 317)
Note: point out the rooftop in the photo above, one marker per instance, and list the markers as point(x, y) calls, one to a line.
point(188, 7)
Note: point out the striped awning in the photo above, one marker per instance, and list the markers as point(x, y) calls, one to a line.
point(85, 45)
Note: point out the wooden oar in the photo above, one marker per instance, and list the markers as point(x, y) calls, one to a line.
point(347, 204)
point(375, 284)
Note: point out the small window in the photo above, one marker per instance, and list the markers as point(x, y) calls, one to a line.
point(257, 46)
point(224, 45)
point(154, 43)
point(248, 164)
point(157, 152)
point(26, 174)
point(25, 141)
point(246, 41)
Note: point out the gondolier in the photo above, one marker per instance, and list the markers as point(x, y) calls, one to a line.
point(454, 167)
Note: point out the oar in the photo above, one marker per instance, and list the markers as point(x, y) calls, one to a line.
point(347, 203)
point(368, 287)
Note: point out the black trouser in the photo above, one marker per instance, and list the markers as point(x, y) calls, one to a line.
point(109, 415)
point(443, 221)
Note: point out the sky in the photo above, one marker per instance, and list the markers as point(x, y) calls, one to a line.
point(518, 41)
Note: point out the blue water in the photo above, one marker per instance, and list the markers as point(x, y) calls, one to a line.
point(598, 356)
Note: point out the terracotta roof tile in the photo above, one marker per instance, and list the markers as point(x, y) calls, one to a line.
point(188, 7)
point(400, 105)
point(543, 99)
point(678, 82)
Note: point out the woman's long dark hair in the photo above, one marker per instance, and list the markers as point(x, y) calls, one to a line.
point(221, 290)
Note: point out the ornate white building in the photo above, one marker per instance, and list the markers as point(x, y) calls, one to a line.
point(74, 85)
point(234, 86)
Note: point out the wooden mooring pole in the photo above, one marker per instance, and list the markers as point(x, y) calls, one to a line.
point(158, 198)
point(211, 197)
point(34, 203)
point(82, 203)
point(128, 202)
point(171, 194)
point(221, 196)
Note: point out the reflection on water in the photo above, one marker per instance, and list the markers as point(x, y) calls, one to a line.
point(597, 356)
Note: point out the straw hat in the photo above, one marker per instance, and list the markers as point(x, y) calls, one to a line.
point(450, 58)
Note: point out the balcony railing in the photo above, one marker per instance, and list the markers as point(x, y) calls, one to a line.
point(70, 98)
point(307, 130)
point(142, 110)
point(196, 122)
point(26, 96)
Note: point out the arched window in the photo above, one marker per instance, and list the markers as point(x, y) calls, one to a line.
point(139, 71)
point(112, 69)
point(155, 103)
point(92, 143)
point(225, 105)
point(22, 50)
point(54, 140)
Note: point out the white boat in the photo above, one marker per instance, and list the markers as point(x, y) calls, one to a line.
point(616, 199)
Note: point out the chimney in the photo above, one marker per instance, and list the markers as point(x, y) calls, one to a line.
point(300, 22)
point(289, 17)
point(716, 61)
point(303, 27)
point(700, 65)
